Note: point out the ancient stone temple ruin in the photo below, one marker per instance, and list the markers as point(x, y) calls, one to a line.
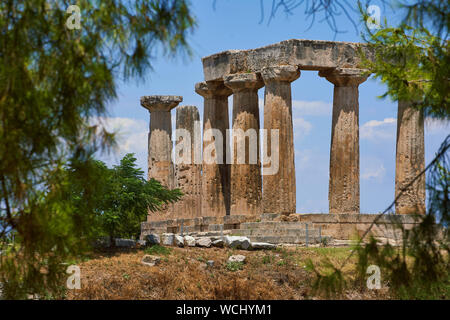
point(244, 197)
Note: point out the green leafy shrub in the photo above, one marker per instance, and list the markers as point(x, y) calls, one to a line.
point(158, 250)
point(234, 266)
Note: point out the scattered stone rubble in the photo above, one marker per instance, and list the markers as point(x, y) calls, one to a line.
point(125, 243)
point(203, 241)
point(237, 258)
point(206, 241)
point(150, 260)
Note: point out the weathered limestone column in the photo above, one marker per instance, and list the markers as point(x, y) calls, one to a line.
point(245, 169)
point(188, 171)
point(343, 192)
point(410, 160)
point(160, 165)
point(279, 189)
point(216, 170)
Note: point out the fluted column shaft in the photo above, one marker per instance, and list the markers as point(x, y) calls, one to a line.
point(216, 170)
point(160, 164)
point(343, 192)
point(279, 194)
point(188, 171)
point(410, 160)
point(246, 179)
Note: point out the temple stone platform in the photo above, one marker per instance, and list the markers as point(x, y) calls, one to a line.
point(333, 229)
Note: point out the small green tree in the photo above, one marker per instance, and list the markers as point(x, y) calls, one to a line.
point(127, 197)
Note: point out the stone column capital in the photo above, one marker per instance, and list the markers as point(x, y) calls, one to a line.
point(243, 81)
point(160, 103)
point(283, 73)
point(212, 89)
point(345, 77)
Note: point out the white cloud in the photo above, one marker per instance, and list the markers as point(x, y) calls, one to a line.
point(304, 108)
point(437, 126)
point(376, 123)
point(372, 168)
point(302, 158)
point(131, 137)
point(311, 160)
point(373, 173)
point(376, 130)
point(386, 129)
point(311, 108)
point(131, 134)
point(301, 127)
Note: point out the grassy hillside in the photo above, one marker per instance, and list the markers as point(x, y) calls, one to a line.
point(184, 274)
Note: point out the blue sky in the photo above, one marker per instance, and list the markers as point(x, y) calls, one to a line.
point(234, 24)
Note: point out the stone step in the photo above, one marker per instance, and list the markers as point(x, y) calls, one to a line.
point(154, 230)
point(215, 227)
point(343, 243)
point(279, 232)
point(189, 229)
point(282, 229)
point(210, 233)
point(270, 225)
point(269, 216)
point(275, 239)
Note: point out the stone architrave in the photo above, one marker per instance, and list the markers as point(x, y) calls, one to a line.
point(343, 192)
point(246, 182)
point(305, 54)
point(215, 169)
point(187, 169)
point(410, 160)
point(279, 194)
point(160, 165)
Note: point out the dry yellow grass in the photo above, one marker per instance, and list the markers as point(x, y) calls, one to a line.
point(183, 274)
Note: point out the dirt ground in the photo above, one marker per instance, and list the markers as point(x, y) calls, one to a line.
point(184, 274)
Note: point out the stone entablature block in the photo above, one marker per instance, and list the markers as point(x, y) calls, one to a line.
point(305, 54)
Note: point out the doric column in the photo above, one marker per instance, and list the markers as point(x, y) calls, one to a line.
point(216, 170)
point(279, 188)
point(188, 170)
point(245, 167)
point(343, 192)
point(160, 165)
point(410, 160)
